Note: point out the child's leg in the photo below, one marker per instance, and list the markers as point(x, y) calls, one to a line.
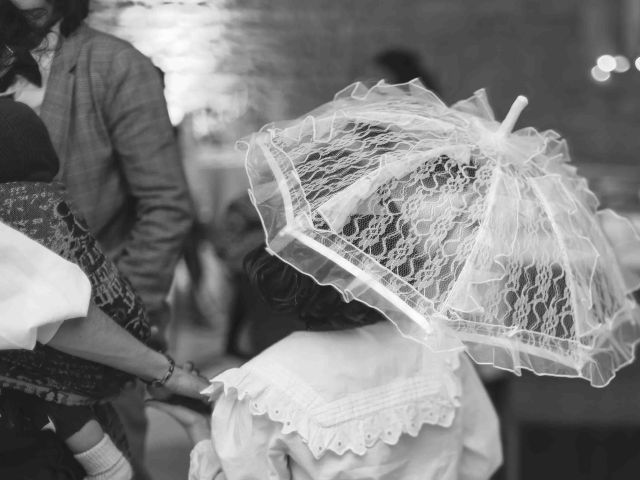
point(103, 460)
point(86, 438)
point(91, 446)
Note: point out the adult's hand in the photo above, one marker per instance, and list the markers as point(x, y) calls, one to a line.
point(185, 381)
point(100, 339)
point(183, 388)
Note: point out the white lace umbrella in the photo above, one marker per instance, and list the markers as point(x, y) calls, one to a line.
point(461, 232)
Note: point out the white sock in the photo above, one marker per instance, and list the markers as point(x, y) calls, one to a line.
point(105, 462)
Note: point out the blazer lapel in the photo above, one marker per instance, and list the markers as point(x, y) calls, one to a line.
point(58, 97)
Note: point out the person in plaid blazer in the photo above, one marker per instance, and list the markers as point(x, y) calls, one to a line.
point(103, 104)
point(120, 161)
point(121, 165)
point(104, 107)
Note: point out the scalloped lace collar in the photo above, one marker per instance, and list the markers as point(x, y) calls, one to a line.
point(398, 389)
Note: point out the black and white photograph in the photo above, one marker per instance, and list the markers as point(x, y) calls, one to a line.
point(319, 239)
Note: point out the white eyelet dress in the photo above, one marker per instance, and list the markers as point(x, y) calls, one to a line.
point(354, 404)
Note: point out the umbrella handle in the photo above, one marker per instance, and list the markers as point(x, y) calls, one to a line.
point(506, 127)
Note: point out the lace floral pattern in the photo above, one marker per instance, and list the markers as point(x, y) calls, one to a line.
point(422, 212)
point(38, 211)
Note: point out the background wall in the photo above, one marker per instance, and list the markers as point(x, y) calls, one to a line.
point(252, 61)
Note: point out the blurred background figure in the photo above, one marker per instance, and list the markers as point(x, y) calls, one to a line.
point(401, 66)
point(249, 315)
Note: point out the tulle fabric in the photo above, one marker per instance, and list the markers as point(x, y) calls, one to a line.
point(460, 236)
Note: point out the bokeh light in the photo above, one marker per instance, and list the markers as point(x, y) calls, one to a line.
point(599, 75)
point(622, 64)
point(606, 63)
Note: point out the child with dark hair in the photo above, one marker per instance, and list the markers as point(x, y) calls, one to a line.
point(344, 397)
point(319, 307)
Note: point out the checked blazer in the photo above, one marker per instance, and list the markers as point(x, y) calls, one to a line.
point(105, 110)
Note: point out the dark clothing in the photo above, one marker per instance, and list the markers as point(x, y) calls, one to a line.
point(105, 109)
point(107, 117)
point(20, 62)
point(37, 456)
point(23, 136)
point(29, 452)
point(38, 211)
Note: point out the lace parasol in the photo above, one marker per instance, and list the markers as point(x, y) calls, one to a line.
point(462, 232)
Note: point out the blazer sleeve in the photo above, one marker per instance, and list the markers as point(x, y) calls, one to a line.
point(144, 142)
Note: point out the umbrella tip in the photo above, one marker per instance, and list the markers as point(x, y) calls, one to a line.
point(506, 127)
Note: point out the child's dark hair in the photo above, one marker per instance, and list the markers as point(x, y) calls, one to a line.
point(286, 290)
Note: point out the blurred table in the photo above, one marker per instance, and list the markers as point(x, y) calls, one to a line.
point(216, 177)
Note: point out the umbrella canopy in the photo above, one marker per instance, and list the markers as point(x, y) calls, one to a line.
point(461, 232)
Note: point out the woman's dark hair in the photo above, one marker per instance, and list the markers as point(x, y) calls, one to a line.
point(287, 290)
point(72, 13)
point(18, 37)
point(15, 31)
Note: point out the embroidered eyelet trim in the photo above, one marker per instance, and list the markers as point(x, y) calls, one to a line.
point(354, 423)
